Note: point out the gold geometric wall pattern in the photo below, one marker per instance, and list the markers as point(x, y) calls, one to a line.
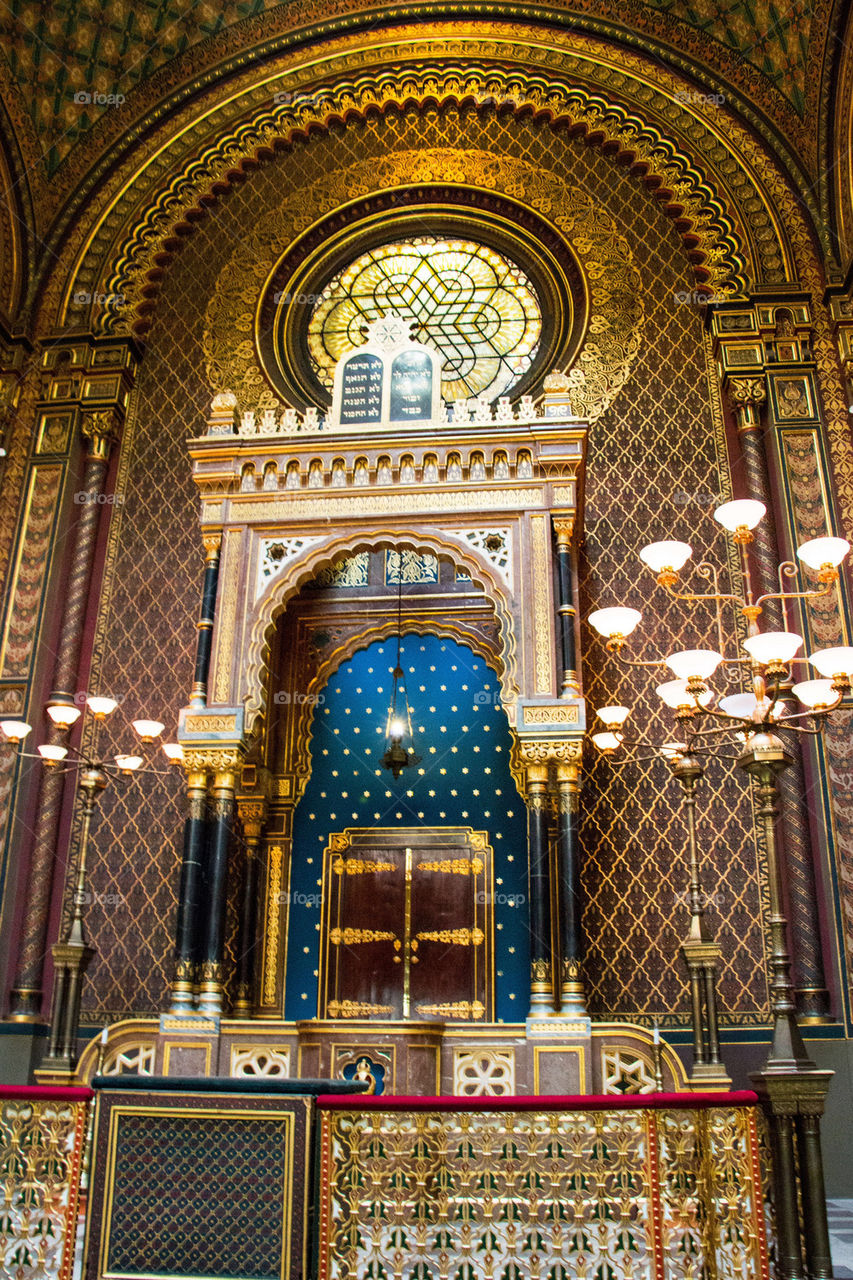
point(146, 637)
point(665, 139)
point(613, 339)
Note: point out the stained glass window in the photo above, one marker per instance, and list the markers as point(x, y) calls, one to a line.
point(478, 309)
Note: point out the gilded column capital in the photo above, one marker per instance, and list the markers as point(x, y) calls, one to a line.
point(101, 429)
point(209, 759)
point(253, 814)
point(212, 546)
point(564, 528)
point(747, 395)
point(547, 751)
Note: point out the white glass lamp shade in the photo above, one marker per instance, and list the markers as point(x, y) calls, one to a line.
point(615, 621)
point(15, 730)
point(672, 750)
point(666, 555)
point(833, 662)
point(675, 694)
point(815, 693)
point(818, 552)
point(52, 754)
point(63, 714)
point(607, 742)
point(127, 764)
point(613, 716)
point(99, 706)
point(173, 751)
point(745, 706)
point(148, 730)
point(773, 646)
point(694, 664)
point(742, 514)
point(396, 727)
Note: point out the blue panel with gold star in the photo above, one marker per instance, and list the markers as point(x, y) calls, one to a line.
point(463, 780)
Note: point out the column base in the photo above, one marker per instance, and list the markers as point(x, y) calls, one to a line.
point(26, 1004)
point(709, 1077)
point(556, 1025)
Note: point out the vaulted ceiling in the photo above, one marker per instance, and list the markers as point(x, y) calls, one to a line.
point(82, 79)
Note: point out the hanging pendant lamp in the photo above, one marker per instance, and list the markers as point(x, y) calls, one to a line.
point(399, 749)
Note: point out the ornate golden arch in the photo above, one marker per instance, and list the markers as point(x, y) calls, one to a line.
point(305, 566)
point(713, 176)
point(302, 758)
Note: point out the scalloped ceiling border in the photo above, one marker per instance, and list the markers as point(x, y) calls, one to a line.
point(706, 230)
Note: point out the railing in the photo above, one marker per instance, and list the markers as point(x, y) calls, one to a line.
point(668, 1186)
point(42, 1143)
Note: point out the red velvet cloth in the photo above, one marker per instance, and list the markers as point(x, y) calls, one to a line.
point(549, 1102)
point(44, 1093)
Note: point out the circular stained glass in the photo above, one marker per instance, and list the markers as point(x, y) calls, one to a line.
point(475, 306)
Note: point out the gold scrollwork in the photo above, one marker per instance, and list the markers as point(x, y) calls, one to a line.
point(356, 1009)
point(455, 937)
point(350, 937)
point(541, 620)
point(471, 1009)
point(359, 866)
point(454, 866)
point(276, 857)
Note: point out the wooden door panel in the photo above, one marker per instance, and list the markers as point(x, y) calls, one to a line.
point(423, 955)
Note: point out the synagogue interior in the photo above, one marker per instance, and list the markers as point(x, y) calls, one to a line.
point(426, 667)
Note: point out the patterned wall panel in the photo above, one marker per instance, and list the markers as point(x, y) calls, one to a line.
point(654, 470)
point(548, 1196)
point(152, 1183)
point(41, 1152)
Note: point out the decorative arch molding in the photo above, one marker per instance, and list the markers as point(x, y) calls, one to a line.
point(709, 235)
point(635, 101)
point(261, 621)
point(613, 338)
point(16, 223)
point(303, 735)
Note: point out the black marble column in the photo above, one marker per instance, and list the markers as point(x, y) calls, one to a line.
point(541, 994)
point(252, 817)
point(566, 574)
point(212, 545)
point(569, 891)
point(213, 928)
point(191, 892)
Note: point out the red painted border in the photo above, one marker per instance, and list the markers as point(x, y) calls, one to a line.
point(549, 1102)
point(44, 1093)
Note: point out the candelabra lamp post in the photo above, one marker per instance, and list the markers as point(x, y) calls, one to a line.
point(791, 1085)
point(701, 953)
point(72, 954)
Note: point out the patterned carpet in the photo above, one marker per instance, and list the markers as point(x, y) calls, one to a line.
point(841, 1237)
